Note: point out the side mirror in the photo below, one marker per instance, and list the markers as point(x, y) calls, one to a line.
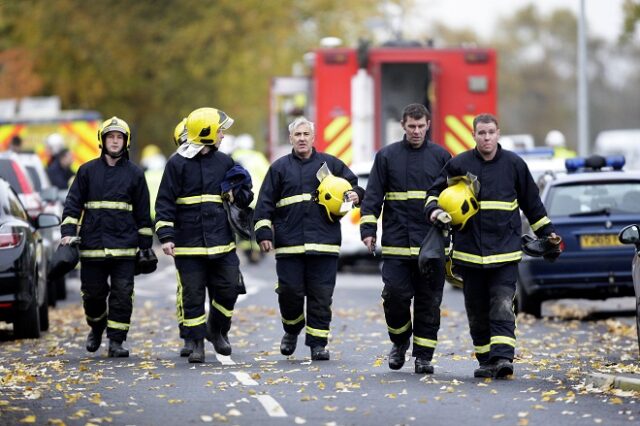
point(629, 235)
point(50, 194)
point(47, 220)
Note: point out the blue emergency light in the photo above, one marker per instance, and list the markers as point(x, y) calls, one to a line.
point(594, 163)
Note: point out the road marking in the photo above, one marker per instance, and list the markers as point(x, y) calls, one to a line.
point(225, 360)
point(244, 378)
point(271, 406)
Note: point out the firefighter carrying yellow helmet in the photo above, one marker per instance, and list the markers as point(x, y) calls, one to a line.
point(331, 195)
point(460, 202)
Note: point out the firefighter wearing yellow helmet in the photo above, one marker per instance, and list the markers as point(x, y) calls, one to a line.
point(110, 199)
point(192, 226)
point(305, 234)
point(180, 132)
point(487, 244)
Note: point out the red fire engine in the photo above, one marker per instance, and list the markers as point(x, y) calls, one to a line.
point(355, 96)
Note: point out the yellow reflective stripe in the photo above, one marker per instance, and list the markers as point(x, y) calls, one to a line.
point(427, 343)
point(96, 319)
point(368, 219)
point(317, 333)
point(145, 231)
point(486, 260)
point(482, 349)
point(503, 340)
point(118, 325)
point(115, 205)
point(399, 330)
point(403, 196)
point(499, 205)
point(108, 252)
point(400, 251)
point(194, 322)
point(70, 221)
point(204, 251)
point(224, 311)
point(162, 223)
point(293, 199)
point(293, 322)
point(539, 224)
point(198, 199)
point(324, 248)
point(431, 198)
point(262, 223)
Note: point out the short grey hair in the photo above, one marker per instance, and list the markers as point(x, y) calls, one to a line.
point(299, 122)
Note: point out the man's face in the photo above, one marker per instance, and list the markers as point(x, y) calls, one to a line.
point(302, 140)
point(114, 142)
point(486, 137)
point(219, 137)
point(416, 130)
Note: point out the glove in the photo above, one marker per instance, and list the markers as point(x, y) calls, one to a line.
point(146, 261)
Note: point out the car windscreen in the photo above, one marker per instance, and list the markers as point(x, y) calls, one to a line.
point(594, 198)
point(35, 178)
point(8, 173)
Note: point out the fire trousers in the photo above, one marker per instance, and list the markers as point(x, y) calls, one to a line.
point(108, 304)
point(403, 282)
point(488, 298)
point(313, 277)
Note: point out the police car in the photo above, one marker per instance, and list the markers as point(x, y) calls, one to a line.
point(588, 207)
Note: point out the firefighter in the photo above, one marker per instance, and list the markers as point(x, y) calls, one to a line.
point(192, 226)
point(305, 234)
point(400, 176)
point(110, 199)
point(556, 140)
point(486, 249)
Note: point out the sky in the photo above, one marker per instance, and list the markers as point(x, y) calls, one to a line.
point(604, 17)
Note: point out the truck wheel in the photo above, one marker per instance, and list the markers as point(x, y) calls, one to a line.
point(527, 303)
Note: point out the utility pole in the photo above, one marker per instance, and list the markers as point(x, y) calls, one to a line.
point(583, 85)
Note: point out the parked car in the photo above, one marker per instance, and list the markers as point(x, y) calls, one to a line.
point(631, 235)
point(23, 267)
point(588, 207)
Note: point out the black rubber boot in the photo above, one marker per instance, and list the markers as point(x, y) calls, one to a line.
point(221, 343)
point(396, 356)
point(116, 350)
point(319, 353)
point(423, 366)
point(197, 356)
point(94, 340)
point(485, 371)
point(288, 344)
point(186, 350)
point(503, 368)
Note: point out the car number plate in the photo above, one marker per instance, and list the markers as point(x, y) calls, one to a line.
point(599, 240)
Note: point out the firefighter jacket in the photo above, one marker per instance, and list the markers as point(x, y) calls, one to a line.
point(288, 215)
point(491, 237)
point(189, 210)
point(111, 203)
point(400, 178)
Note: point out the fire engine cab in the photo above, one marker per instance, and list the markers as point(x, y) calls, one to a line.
point(356, 96)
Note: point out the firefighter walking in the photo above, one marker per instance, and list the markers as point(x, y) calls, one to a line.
point(192, 226)
point(110, 199)
point(487, 243)
point(305, 234)
point(401, 174)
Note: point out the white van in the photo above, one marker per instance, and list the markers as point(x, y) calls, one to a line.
point(620, 142)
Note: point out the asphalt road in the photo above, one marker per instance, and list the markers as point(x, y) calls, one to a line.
point(53, 380)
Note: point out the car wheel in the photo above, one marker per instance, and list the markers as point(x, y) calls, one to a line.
point(61, 288)
point(26, 324)
point(44, 315)
point(527, 303)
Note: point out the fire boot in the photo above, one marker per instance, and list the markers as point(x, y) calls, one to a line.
point(288, 344)
point(197, 356)
point(221, 343)
point(484, 371)
point(396, 356)
point(423, 366)
point(187, 348)
point(503, 368)
point(319, 353)
point(116, 350)
point(94, 339)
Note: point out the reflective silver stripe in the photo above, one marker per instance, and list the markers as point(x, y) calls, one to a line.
point(114, 205)
point(224, 311)
point(204, 251)
point(400, 251)
point(197, 199)
point(368, 219)
point(399, 330)
point(324, 248)
point(482, 349)
point(503, 340)
point(96, 319)
point(430, 198)
point(539, 224)
point(194, 322)
point(262, 223)
point(403, 196)
point(70, 221)
point(118, 325)
point(427, 343)
point(499, 205)
point(295, 321)
point(486, 260)
point(108, 252)
point(162, 223)
point(317, 333)
point(145, 231)
point(293, 199)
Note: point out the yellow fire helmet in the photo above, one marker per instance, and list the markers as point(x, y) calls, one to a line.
point(452, 276)
point(331, 195)
point(180, 133)
point(459, 201)
point(203, 124)
point(114, 124)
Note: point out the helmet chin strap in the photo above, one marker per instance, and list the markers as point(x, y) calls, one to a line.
point(114, 155)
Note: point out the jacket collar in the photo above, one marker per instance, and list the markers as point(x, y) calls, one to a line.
point(495, 157)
